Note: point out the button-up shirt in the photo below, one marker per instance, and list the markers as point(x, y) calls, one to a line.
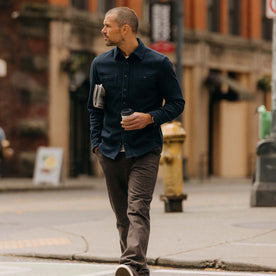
point(145, 82)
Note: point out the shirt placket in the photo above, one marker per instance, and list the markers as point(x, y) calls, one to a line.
point(125, 94)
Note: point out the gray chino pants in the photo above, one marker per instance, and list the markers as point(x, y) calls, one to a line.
point(130, 184)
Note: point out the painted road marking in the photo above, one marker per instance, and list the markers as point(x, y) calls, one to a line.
point(16, 244)
point(55, 269)
point(8, 270)
point(109, 272)
point(215, 273)
point(80, 269)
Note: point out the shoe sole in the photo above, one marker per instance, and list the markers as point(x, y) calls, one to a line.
point(123, 271)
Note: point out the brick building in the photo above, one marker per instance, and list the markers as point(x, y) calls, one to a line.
point(48, 46)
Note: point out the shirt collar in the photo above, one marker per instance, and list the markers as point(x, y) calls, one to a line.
point(139, 51)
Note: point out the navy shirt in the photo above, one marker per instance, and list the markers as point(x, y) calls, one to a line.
point(143, 81)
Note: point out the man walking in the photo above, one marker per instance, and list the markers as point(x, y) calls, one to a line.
point(133, 76)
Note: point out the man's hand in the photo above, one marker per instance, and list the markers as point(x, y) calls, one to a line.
point(137, 120)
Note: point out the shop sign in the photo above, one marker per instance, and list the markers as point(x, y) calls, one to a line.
point(271, 8)
point(161, 25)
point(48, 166)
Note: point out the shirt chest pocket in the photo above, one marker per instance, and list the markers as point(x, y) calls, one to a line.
point(145, 84)
point(111, 83)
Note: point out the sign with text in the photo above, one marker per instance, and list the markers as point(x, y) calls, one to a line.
point(161, 25)
point(271, 8)
point(48, 166)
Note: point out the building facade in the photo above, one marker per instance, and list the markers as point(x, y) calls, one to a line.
point(48, 46)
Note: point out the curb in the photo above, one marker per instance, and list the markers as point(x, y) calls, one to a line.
point(200, 265)
point(42, 188)
point(20, 185)
point(215, 264)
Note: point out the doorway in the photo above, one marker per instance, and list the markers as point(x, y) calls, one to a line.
point(227, 126)
point(80, 149)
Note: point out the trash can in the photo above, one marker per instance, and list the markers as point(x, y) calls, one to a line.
point(264, 122)
point(263, 191)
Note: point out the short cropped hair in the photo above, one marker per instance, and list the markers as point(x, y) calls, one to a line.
point(125, 15)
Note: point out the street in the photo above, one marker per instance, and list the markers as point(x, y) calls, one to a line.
point(73, 269)
point(72, 232)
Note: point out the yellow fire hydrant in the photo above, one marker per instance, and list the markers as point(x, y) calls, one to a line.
point(174, 136)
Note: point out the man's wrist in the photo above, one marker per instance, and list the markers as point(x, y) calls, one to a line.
point(151, 120)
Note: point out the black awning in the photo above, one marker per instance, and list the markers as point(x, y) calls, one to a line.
point(215, 80)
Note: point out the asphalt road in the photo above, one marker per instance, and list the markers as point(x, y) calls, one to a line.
point(24, 214)
point(25, 210)
point(80, 269)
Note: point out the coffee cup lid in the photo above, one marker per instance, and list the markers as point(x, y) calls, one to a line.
point(127, 111)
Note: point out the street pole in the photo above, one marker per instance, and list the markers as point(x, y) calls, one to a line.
point(179, 40)
point(273, 97)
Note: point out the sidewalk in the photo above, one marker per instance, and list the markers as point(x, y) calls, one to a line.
point(218, 228)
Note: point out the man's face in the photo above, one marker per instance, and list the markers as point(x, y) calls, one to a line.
point(111, 31)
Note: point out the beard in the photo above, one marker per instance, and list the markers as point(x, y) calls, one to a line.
point(111, 42)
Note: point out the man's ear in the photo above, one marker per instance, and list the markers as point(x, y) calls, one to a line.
point(125, 28)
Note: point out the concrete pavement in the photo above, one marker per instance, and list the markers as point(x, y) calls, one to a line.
point(218, 229)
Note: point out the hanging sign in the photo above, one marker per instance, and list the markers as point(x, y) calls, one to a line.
point(271, 8)
point(161, 26)
point(163, 46)
point(48, 165)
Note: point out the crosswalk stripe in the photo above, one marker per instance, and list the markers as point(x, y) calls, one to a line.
point(211, 273)
point(102, 273)
point(15, 244)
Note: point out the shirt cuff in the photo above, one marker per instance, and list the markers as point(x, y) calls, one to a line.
point(154, 118)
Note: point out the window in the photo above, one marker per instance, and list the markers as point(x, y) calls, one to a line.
point(146, 11)
point(213, 15)
point(79, 4)
point(105, 5)
point(234, 15)
point(266, 24)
